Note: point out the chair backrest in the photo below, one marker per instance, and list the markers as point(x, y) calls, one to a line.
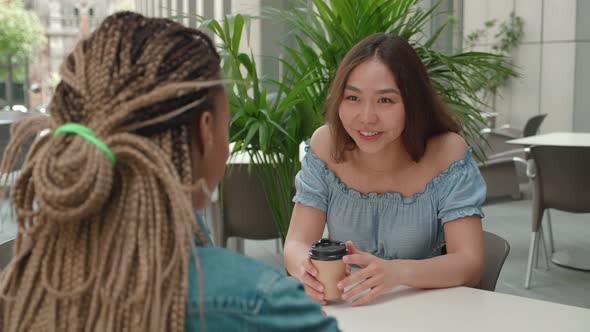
point(501, 177)
point(4, 137)
point(496, 250)
point(533, 124)
point(562, 181)
point(246, 212)
point(6, 253)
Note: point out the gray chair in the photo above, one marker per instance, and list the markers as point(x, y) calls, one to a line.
point(497, 138)
point(4, 137)
point(495, 250)
point(7, 118)
point(503, 176)
point(561, 182)
point(505, 168)
point(245, 213)
point(532, 125)
point(6, 121)
point(6, 253)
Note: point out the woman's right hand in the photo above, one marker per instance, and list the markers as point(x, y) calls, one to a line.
point(313, 288)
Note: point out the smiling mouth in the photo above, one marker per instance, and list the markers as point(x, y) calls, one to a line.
point(369, 133)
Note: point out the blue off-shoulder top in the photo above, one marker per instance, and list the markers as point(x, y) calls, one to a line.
point(389, 225)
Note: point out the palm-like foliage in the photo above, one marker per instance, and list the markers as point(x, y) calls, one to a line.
point(325, 30)
point(270, 126)
point(265, 126)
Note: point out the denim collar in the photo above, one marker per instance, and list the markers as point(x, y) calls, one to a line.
point(203, 227)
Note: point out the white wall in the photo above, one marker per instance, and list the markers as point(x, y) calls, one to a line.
point(546, 59)
point(250, 7)
point(582, 81)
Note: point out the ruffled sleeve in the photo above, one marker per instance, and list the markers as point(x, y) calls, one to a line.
point(463, 192)
point(310, 182)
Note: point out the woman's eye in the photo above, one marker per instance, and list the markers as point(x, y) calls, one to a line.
point(385, 100)
point(352, 98)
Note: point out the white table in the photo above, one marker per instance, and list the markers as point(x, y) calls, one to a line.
point(578, 259)
point(555, 139)
point(457, 310)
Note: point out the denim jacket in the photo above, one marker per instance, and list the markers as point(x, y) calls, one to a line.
point(242, 294)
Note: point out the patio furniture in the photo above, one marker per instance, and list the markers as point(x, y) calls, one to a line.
point(495, 250)
point(505, 167)
point(245, 213)
point(6, 253)
point(503, 176)
point(497, 139)
point(530, 128)
point(561, 182)
point(457, 309)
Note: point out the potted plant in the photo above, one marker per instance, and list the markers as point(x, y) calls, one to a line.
point(265, 125)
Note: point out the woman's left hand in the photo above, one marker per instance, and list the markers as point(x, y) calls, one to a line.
point(376, 275)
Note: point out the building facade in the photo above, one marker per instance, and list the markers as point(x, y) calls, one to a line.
point(64, 23)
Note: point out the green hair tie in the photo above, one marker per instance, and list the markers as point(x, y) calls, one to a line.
point(88, 134)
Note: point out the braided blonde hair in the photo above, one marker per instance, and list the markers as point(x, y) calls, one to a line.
point(100, 247)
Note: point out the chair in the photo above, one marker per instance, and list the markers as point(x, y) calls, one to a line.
point(561, 182)
point(505, 167)
point(497, 138)
point(532, 125)
point(7, 180)
point(245, 212)
point(6, 253)
point(495, 250)
point(503, 176)
point(4, 137)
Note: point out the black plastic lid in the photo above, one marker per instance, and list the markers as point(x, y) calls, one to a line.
point(328, 250)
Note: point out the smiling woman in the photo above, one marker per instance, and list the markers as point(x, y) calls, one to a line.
point(391, 176)
point(386, 70)
point(375, 112)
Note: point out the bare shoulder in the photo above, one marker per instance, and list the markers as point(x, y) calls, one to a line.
point(321, 142)
point(443, 149)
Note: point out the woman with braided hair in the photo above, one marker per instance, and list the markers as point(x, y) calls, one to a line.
point(107, 237)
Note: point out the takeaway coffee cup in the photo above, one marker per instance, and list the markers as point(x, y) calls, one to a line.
point(326, 256)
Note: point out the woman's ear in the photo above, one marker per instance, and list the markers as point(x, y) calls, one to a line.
point(205, 133)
